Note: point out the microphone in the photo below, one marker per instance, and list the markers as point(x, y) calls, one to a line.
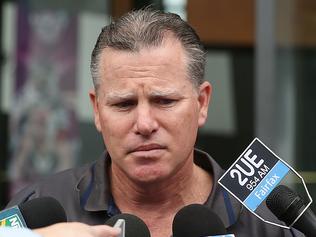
point(196, 220)
point(288, 206)
point(36, 213)
point(134, 226)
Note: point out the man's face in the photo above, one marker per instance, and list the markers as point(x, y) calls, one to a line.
point(148, 111)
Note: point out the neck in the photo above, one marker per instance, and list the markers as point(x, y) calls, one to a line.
point(157, 203)
point(190, 184)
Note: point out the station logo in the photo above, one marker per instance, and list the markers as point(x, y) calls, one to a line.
point(254, 175)
point(12, 218)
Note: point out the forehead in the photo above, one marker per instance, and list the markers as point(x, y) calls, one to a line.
point(168, 58)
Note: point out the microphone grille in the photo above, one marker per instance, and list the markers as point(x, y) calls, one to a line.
point(197, 220)
point(134, 226)
point(41, 212)
point(285, 204)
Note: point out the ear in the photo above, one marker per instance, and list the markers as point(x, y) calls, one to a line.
point(95, 105)
point(205, 93)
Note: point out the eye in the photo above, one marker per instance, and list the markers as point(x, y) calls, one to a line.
point(165, 101)
point(124, 105)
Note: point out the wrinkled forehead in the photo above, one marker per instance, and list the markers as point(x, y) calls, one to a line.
point(160, 92)
point(165, 71)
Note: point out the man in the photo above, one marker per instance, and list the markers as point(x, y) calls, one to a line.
point(149, 100)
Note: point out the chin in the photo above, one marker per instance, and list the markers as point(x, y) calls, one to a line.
point(149, 175)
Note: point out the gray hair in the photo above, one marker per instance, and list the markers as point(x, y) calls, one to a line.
point(143, 28)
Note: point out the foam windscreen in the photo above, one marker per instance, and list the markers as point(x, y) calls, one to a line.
point(41, 212)
point(196, 220)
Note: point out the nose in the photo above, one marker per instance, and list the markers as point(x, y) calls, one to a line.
point(146, 123)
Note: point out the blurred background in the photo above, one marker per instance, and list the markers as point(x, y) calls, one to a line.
point(261, 61)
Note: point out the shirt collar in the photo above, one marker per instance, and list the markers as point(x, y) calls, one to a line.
point(94, 187)
point(228, 210)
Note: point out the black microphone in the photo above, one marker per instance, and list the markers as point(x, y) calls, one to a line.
point(36, 213)
point(196, 220)
point(288, 206)
point(134, 226)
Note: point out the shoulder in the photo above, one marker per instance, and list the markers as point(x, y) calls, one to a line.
point(53, 186)
point(250, 225)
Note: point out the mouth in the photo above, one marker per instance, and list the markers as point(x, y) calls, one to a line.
point(148, 148)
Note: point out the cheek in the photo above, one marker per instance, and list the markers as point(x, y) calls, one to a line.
point(114, 128)
point(189, 117)
point(184, 125)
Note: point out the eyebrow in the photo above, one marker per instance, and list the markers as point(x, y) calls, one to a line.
point(114, 96)
point(165, 93)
